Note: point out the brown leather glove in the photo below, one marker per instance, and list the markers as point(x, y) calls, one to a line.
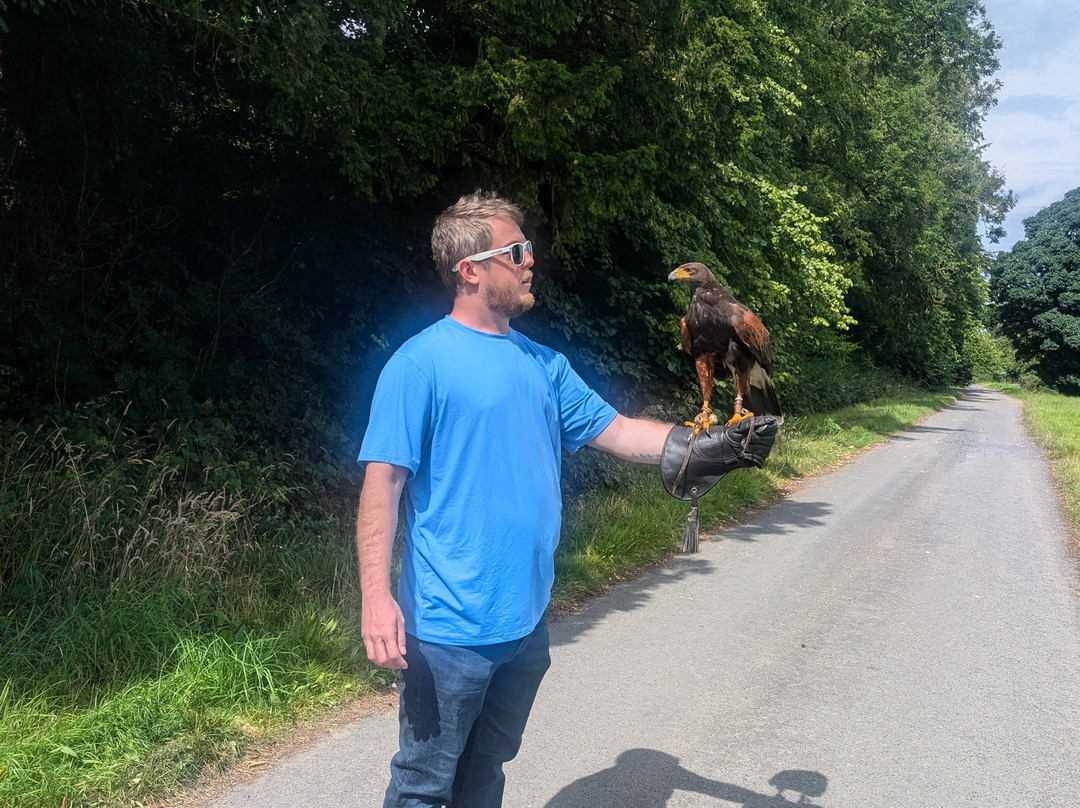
point(692, 464)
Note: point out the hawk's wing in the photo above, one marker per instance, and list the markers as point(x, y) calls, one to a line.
point(752, 333)
point(684, 335)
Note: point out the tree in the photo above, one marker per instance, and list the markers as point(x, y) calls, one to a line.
point(890, 151)
point(200, 198)
point(1036, 289)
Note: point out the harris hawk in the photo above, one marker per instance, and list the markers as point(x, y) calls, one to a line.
point(721, 335)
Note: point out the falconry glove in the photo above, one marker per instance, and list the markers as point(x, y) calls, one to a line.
point(692, 462)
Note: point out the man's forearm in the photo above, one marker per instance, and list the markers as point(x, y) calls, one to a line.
point(376, 523)
point(636, 439)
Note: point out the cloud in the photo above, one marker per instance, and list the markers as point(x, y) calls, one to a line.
point(1033, 134)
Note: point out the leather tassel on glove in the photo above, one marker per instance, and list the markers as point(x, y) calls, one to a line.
point(692, 533)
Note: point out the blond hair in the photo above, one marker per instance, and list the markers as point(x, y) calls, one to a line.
point(464, 229)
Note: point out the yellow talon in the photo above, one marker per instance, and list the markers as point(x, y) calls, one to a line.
point(703, 420)
point(740, 416)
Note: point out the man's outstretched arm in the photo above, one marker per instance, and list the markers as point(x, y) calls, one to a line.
point(636, 439)
point(381, 622)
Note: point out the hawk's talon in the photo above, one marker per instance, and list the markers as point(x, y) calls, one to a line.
point(739, 416)
point(703, 420)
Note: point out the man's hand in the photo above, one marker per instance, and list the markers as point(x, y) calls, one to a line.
point(383, 629)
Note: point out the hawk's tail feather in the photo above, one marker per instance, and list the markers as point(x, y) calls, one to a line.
point(761, 397)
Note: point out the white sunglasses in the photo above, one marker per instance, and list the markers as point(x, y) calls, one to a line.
point(517, 253)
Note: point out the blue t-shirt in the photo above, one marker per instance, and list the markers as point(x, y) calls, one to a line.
point(479, 420)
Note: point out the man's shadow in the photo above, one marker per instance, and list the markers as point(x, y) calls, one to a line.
point(646, 778)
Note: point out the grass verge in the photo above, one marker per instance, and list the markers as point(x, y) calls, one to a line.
point(130, 690)
point(1053, 421)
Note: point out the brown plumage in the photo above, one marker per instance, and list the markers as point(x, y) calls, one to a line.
point(723, 337)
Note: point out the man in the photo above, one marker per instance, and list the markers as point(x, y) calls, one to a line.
point(468, 421)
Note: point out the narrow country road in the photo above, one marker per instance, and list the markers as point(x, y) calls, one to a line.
point(901, 633)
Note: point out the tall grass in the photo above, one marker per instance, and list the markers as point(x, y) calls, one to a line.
point(155, 617)
point(112, 510)
point(133, 742)
point(109, 554)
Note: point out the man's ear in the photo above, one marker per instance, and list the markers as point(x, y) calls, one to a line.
point(466, 270)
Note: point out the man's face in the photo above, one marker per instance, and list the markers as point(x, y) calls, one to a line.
point(507, 289)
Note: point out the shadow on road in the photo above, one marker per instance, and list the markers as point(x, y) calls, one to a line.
point(913, 433)
point(647, 778)
point(787, 517)
point(627, 597)
point(973, 397)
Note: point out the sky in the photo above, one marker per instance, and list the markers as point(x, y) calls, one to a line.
point(1033, 134)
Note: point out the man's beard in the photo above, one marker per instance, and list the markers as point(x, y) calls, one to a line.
point(509, 303)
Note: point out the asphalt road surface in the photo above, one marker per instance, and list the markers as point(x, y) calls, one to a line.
point(902, 632)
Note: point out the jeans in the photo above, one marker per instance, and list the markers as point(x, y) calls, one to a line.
point(462, 714)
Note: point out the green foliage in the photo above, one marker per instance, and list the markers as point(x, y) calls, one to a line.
point(891, 149)
point(205, 229)
point(1036, 289)
point(993, 358)
point(206, 702)
point(830, 373)
point(160, 606)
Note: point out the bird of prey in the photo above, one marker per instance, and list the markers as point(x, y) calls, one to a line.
point(724, 337)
